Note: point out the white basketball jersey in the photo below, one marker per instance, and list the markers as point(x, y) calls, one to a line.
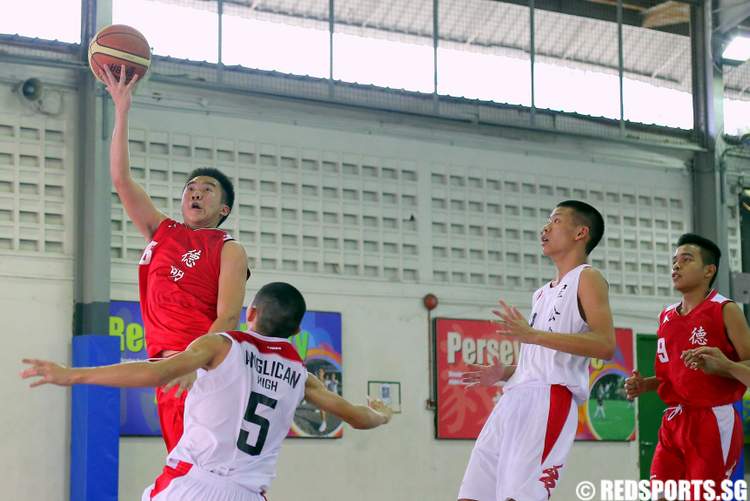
point(555, 309)
point(237, 415)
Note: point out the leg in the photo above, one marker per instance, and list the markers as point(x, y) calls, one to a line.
point(479, 479)
point(537, 444)
point(322, 426)
point(669, 460)
point(716, 451)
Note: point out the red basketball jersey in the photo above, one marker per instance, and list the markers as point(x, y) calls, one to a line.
point(703, 326)
point(179, 284)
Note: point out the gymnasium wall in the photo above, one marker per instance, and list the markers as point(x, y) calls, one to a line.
point(365, 212)
point(328, 198)
point(37, 164)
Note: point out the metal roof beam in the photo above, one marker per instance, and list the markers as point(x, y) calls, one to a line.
point(603, 11)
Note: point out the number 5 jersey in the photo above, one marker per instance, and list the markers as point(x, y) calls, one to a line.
point(237, 415)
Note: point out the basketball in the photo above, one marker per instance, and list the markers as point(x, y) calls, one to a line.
point(118, 45)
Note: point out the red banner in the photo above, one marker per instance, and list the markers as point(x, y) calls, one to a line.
point(462, 411)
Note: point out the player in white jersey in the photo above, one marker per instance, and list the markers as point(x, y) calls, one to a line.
point(241, 406)
point(521, 450)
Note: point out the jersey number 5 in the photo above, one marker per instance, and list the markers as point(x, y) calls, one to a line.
point(661, 350)
point(148, 252)
point(252, 417)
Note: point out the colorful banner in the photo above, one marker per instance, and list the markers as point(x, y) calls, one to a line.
point(607, 414)
point(746, 416)
point(462, 411)
point(318, 343)
point(138, 415)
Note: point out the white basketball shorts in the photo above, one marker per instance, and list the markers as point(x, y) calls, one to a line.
point(521, 451)
point(186, 482)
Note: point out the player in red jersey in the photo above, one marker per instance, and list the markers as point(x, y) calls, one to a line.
point(700, 437)
point(191, 275)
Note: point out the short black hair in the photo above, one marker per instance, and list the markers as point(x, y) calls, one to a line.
point(710, 252)
point(280, 308)
point(587, 215)
point(227, 187)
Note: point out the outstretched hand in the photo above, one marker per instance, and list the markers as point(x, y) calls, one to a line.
point(122, 93)
point(483, 375)
point(512, 323)
point(183, 384)
point(378, 406)
point(47, 372)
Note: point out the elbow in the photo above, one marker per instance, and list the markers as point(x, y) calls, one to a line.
point(361, 420)
point(158, 377)
point(361, 424)
point(119, 180)
point(227, 322)
point(607, 351)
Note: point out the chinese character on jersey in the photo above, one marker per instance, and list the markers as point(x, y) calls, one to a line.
point(550, 477)
point(190, 257)
point(699, 336)
point(553, 316)
point(176, 273)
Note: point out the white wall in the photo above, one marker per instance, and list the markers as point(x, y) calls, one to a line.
point(36, 272)
point(384, 323)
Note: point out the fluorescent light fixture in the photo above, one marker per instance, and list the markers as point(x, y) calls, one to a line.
point(738, 49)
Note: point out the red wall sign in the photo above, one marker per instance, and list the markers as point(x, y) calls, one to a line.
point(462, 411)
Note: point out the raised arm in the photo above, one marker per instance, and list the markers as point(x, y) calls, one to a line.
point(599, 342)
point(232, 278)
point(358, 416)
point(138, 205)
point(205, 352)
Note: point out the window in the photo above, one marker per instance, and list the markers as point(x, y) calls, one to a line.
point(61, 19)
point(192, 33)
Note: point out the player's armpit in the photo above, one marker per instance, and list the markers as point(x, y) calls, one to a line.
point(232, 278)
point(358, 416)
point(206, 352)
point(737, 329)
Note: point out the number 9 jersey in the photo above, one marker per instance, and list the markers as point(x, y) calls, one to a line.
point(236, 417)
point(703, 326)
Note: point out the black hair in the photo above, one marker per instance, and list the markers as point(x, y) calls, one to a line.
point(227, 187)
point(280, 308)
point(587, 215)
point(710, 252)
